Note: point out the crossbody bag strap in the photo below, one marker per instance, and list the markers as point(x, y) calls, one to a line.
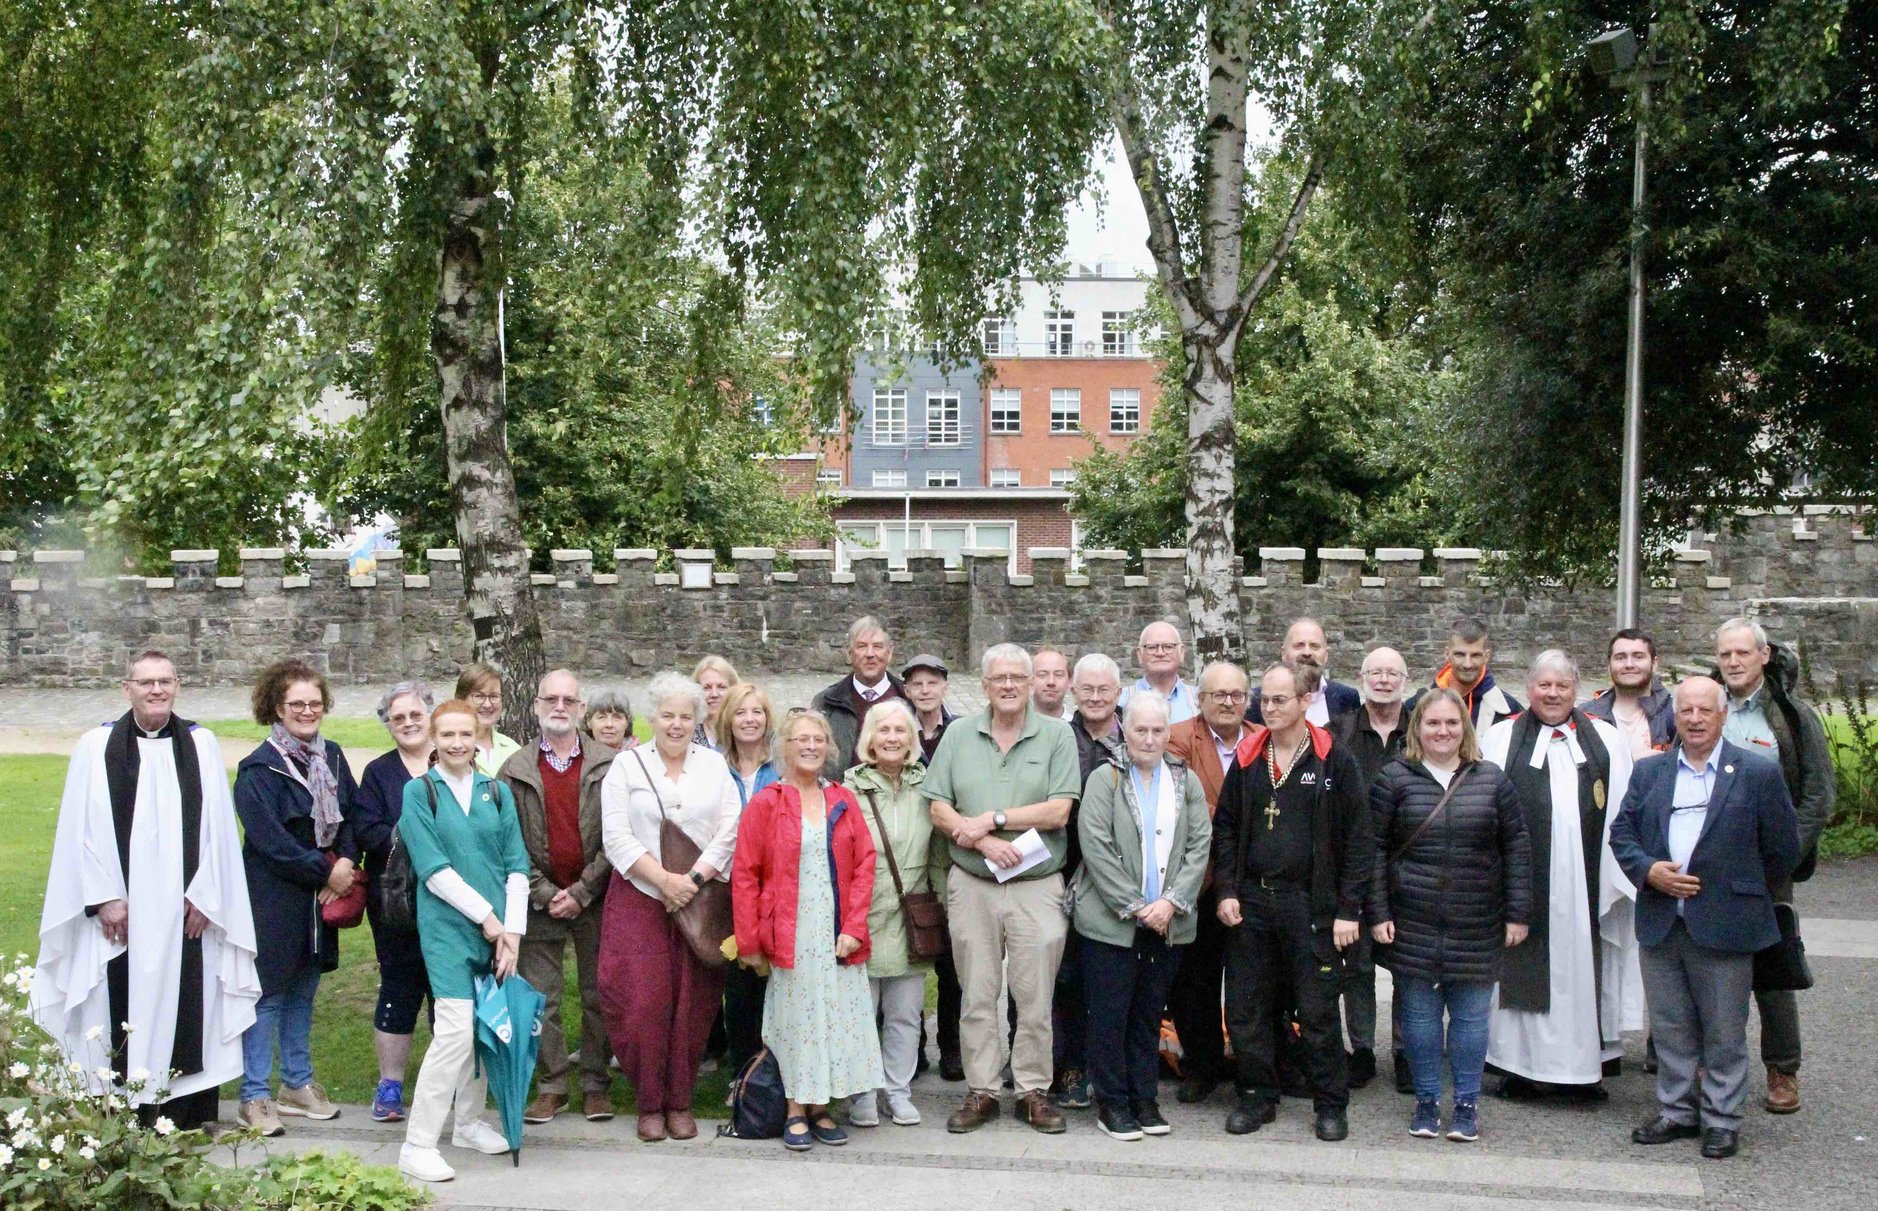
point(1434, 815)
point(886, 845)
point(650, 784)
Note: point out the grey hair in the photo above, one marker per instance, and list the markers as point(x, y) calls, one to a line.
point(866, 624)
point(1151, 699)
point(1556, 659)
point(1178, 637)
point(1004, 651)
point(414, 687)
point(1721, 691)
point(1096, 662)
point(1215, 666)
point(611, 700)
point(1744, 624)
point(671, 684)
point(876, 715)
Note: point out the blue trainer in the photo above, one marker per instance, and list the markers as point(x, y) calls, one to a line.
point(388, 1102)
point(1425, 1123)
point(1465, 1128)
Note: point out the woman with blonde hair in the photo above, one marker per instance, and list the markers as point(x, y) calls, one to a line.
point(801, 892)
point(746, 735)
point(714, 675)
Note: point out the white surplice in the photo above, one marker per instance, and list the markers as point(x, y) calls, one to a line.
point(70, 997)
point(1590, 1008)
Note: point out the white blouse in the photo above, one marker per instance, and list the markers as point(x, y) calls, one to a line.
point(703, 801)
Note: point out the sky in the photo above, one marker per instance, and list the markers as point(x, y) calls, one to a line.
point(1108, 224)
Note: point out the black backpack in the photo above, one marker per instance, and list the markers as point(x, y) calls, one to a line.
point(758, 1105)
point(396, 888)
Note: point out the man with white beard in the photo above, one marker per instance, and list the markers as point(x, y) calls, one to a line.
point(1567, 995)
point(146, 968)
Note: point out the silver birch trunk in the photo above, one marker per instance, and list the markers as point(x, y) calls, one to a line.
point(466, 341)
point(1212, 589)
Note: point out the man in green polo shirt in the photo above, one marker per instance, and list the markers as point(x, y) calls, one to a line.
point(996, 776)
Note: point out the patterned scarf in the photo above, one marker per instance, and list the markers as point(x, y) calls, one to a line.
point(310, 756)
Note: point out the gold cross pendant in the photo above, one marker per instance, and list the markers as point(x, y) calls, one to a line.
point(1271, 815)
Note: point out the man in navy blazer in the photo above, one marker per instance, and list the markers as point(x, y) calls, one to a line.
point(1706, 829)
point(1305, 644)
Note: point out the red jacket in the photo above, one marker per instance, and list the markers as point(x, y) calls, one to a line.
point(765, 882)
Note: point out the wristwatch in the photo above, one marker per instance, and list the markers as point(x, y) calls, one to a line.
point(697, 880)
point(998, 818)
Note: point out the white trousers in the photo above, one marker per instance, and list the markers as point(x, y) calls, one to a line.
point(449, 1075)
point(901, 1003)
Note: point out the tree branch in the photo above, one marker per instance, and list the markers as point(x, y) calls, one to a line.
point(1281, 247)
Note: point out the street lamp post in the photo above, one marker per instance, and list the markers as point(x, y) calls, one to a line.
point(1613, 54)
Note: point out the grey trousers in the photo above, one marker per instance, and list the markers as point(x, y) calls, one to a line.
point(1698, 1001)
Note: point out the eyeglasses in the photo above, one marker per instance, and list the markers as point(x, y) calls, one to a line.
point(1160, 649)
point(1232, 697)
point(1383, 674)
point(313, 707)
point(146, 684)
point(1007, 679)
point(490, 698)
point(412, 717)
point(1278, 701)
point(557, 699)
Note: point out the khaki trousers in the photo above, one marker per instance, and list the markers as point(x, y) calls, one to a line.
point(1003, 931)
point(544, 949)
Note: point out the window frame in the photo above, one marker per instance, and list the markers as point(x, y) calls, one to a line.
point(1059, 396)
point(877, 427)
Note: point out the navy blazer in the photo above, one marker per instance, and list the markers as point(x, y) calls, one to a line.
point(1338, 699)
point(285, 869)
point(1750, 841)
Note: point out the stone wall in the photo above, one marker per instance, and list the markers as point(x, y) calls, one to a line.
point(1809, 575)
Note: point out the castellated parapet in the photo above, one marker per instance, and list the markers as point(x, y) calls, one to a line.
point(1809, 575)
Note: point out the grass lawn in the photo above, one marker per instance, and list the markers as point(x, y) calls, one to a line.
point(342, 1022)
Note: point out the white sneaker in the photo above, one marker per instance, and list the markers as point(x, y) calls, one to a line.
point(480, 1137)
point(864, 1110)
point(902, 1110)
point(424, 1164)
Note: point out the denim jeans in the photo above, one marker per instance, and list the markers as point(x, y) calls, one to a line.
point(288, 1014)
point(1468, 1005)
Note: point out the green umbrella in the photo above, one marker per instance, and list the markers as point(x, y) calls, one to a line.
point(508, 1034)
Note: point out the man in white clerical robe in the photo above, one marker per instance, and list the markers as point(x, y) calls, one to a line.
point(1568, 993)
point(146, 944)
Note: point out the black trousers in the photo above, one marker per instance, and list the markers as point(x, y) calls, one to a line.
point(1068, 1017)
point(188, 1112)
point(1124, 988)
point(743, 1015)
point(951, 1000)
point(1193, 1001)
point(1278, 938)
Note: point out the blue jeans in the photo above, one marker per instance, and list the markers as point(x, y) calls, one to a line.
point(288, 1014)
point(1468, 1005)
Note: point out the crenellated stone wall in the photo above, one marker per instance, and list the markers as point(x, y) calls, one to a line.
point(1809, 575)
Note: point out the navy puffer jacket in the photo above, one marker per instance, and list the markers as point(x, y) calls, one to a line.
point(1467, 876)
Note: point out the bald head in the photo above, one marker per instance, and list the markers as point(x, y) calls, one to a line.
point(1384, 676)
point(1160, 654)
point(1305, 644)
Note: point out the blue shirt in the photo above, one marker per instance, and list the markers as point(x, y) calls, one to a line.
point(1746, 723)
point(1182, 701)
point(1689, 809)
point(1148, 795)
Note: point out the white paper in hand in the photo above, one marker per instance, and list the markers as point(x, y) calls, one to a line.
point(1030, 844)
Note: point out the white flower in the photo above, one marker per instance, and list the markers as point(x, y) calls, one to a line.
point(57, 1146)
point(6, 1157)
point(11, 979)
point(19, 1070)
point(15, 1117)
point(94, 1034)
point(129, 1027)
point(139, 1075)
point(163, 1126)
point(88, 1152)
point(45, 1163)
point(105, 1074)
point(25, 1137)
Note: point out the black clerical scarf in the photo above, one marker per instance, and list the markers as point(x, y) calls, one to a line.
point(121, 761)
point(1526, 970)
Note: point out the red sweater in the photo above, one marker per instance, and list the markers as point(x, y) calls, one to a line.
point(765, 874)
point(560, 802)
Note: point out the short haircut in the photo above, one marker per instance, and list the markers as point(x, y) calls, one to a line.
point(1158, 622)
point(1721, 691)
point(1635, 635)
point(734, 698)
point(1150, 700)
point(713, 663)
point(579, 691)
point(865, 625)
point(1412, 738)
point(475, 677)
point(1007, 652)
point(1468, 629)
point(130, 666)
point(1096, 662)
point(1744, 624)
point(270, 692)
point(1305, 678)
point(416, 689)
point(1553, 658)
point(1217, 666)
point(452, 706)
point(671, 684)
point(1047, 650)
point(864, 744)
point(611, 700)
point(787, 728)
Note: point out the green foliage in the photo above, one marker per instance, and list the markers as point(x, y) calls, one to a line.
point(331, 1181)
point(1853, 731)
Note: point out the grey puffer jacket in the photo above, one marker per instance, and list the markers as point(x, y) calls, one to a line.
point(1454, 889)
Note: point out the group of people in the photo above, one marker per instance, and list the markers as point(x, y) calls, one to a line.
point(1078, 865)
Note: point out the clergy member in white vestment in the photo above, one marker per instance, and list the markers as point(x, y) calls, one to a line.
point(1567, 995)
point(146, 945)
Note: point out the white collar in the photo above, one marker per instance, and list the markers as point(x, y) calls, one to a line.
point(1543, 744)
point(879, 689)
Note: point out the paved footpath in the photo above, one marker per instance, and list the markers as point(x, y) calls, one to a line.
point(1538, 1157)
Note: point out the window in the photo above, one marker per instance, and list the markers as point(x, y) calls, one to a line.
point(1006, 477)
point(1000, 337)
point(942, 418)
point(1065, 409)
point(828, 477)
point(1062, 477)
point(1007, 410)
point(950, 538)
point(1124, 410)
point(890, 416)
point(760, 411)
point(1118, 339)
point(1059, 333)
point(889, 479)
point(942, 479)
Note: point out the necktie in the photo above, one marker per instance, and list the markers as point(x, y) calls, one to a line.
point(870, 695)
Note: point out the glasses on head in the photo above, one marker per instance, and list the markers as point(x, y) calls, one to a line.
point(313, 707)
point(146, 684)
point(1160, 649)
point(1277, 701)
point(1232, 697)
point(557, 699)
point(487, 698)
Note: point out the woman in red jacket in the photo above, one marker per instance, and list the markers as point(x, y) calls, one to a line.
point(801, 884)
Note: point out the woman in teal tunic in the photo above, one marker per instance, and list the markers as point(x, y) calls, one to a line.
point(465, 842)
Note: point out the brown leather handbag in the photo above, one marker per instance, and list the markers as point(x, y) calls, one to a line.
point(705, 922)
point(927, 935)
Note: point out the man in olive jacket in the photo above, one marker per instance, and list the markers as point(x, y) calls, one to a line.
point(556, 785)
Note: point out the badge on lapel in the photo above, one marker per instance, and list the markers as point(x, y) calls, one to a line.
point(1597, 793)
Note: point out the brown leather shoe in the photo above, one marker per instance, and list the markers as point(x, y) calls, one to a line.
point(680, 1125)
point(1040, 1112)
point(651, 1128)
point(1783, 1092)
point(977, 1110)
point(598, 1107)
point(544, 1108)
